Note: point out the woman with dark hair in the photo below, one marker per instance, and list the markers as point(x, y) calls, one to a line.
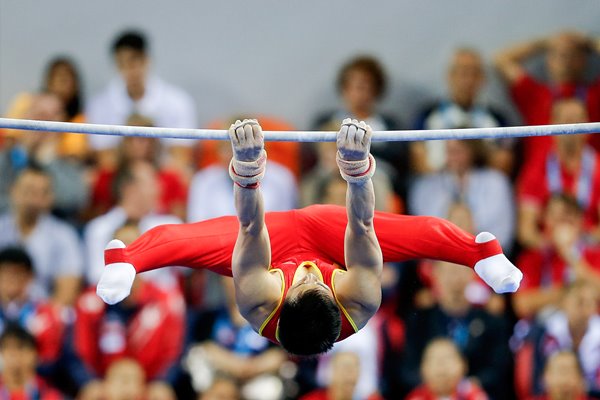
point(361, 84)
point(62, 79)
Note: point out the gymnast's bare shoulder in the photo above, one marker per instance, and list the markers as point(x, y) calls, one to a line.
point(257, 294)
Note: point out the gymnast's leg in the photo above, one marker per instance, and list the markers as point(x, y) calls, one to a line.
point(403, 237)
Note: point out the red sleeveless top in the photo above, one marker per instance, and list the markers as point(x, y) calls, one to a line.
point(287, 270)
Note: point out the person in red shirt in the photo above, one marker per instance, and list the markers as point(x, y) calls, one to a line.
point(565, 257)
point(566, 62)
point(443, 370)
point(563, 378)
point(571, 167)
point(284, 276)
point(148, 327)
point(173, 187)
point(18, 379)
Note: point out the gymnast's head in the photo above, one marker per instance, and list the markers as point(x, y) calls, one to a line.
point(310, 320)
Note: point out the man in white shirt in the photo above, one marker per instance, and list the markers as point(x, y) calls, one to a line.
point(136, 90)
point(53, 244)
point(137, 194)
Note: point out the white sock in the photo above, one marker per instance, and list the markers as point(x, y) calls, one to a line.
point(117, 278)
point(497, 271)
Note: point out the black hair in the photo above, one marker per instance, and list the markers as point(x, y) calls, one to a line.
point(16, 332)
point(133, 40)
point(73, 106)
point(310, 324)
point(367, 64)
point(16, 255)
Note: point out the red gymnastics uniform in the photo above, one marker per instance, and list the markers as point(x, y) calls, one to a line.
point(314, 233)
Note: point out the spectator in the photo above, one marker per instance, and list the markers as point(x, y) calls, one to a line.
point(52, 244)
point(16, 274)
point(222, 388)
point(19, 360)
point(563, 378)
point(44, 148)
point(465, 78)
point(366, 347)
point(125, 380)
point(486, 192)
point(62, 80)
point(565, 56)
point(132, 149)
point(344, 371)
point(443, 371)
point(148, 326)
point(136, 90)
point(211, 190)
point(230, 346)
point(567, 256)
point(137, 193)
point(42, 320)
point(481, 337)
point(570, 167)
point(575, 327)
point(362, 83)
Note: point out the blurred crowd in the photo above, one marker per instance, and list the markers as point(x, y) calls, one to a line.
point(440, 333)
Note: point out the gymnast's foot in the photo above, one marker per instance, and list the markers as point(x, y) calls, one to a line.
point(497, 271)
point(117, 277)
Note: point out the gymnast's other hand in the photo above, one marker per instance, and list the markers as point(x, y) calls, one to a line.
point(247, 140)
point(354, 140)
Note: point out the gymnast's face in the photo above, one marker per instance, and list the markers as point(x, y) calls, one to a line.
point(308, 282)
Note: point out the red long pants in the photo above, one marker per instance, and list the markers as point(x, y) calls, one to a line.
point(315, 232)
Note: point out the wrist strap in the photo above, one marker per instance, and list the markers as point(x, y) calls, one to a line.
point(248, 174)
point(356, 171)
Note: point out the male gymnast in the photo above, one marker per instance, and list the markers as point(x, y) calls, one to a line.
point(304, 278)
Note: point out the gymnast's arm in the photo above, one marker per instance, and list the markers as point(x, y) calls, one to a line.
point(359, 289)
point(257, 291)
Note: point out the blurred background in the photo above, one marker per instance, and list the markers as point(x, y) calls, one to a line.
point(440, 333)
